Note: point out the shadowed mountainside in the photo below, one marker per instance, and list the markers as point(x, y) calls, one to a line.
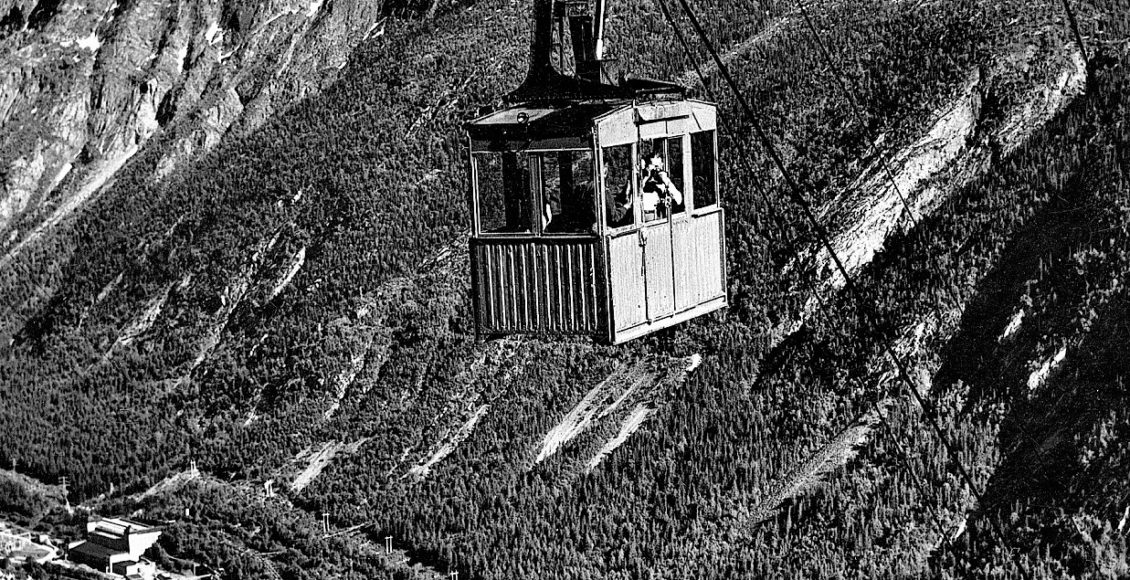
point(270, 281)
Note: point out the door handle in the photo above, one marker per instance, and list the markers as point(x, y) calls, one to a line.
point(643, 254)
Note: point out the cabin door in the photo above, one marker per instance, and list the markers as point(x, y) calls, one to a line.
point(641, 249)
point(662, 209)
point(659, 269)
point(642, 275)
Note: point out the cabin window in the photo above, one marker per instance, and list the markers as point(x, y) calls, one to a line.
point(567, 192)
point(661, 178)
point(675, 172)
point(616, 166)
point(702, 169)
point(502, 185)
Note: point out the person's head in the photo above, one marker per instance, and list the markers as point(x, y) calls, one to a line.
point(653, 160)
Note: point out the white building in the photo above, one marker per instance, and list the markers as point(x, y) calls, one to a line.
point(115, 546)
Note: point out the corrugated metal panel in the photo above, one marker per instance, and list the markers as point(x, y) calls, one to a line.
point(538, 286)
point(572, 290)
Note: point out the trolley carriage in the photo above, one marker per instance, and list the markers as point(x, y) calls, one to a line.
point(549, 175)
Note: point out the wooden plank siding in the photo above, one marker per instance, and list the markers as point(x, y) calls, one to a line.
point(539, 285)
point(692, 255)
point(629, 294)
point(660, 279)
point(699, 270)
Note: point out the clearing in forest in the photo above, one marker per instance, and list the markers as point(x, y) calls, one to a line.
point(317, 461)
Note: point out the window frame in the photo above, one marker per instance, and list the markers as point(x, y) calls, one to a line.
point(541, 201)
point(534, 198)
point(685, 167)
point(713, 207)
point(476, 195)
point(633, 181)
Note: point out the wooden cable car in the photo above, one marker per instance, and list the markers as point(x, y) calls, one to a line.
point(595, 206)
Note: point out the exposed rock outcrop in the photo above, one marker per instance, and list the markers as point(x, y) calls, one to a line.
point(86, 85)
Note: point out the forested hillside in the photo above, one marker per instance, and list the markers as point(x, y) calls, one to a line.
point(284, 302)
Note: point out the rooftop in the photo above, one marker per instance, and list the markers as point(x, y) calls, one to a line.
point(571, 119)
point(94, 550)
point(116, 527)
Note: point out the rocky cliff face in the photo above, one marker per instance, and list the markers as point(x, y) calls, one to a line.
point(85, 85)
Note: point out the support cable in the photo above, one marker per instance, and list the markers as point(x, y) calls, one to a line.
point(796, 193)
point(781, 227)
point(855, 107)
point(758, 186)
point(1075, 28)
point(852, 97)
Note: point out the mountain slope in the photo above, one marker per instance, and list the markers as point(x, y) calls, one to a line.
point(288, 304)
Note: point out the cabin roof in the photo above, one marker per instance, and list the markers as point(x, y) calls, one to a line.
point(554, 87)
point(569, 120)
point(570, 125)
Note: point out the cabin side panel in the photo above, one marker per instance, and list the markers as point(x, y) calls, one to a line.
point(699, 270)
point(629, 294)
point(686, 264)
point(538, 286)
point(658, 275)
point(704, 117)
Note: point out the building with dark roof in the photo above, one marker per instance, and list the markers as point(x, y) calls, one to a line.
point(115, 546)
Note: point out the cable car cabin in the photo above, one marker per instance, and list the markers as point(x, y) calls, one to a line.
point(571, 234)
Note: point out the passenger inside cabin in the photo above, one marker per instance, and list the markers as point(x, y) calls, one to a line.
point(616, 173)
point(658, 192)
point(567, 196)
point(617, 201)
point(577, 217)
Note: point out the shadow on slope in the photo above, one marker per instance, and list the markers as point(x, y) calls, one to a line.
point(1042, 360)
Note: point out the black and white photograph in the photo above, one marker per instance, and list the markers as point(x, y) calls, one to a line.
point(564, 289)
